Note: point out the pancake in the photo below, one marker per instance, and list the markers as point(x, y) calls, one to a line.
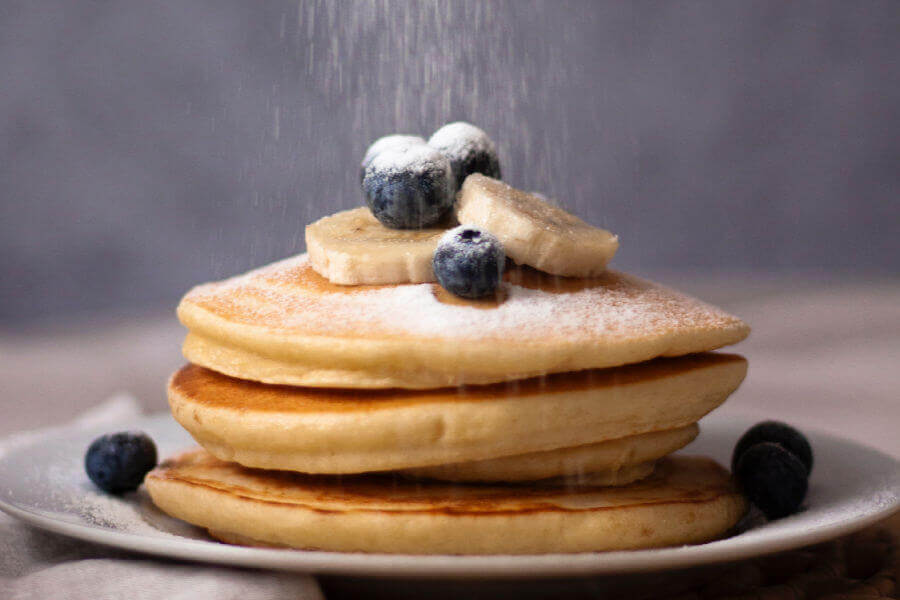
point(285, 324)
point(352, 431)
point(615, 477)
point(613, 461)
point(612, 477)
point(622, 477)
point(687, 500)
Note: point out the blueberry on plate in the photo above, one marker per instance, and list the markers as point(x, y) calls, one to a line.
point(468, 262)
point(409, 187)
point(772, 478)
point(117, 462)
point(469, 149)
point(779, 433)
point(396, 140)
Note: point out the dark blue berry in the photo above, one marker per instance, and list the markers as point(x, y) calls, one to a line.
point(409, 187)
point(779, 433)
point(772, 478)
point(469, 262)
point(385, 143)
point(117, 462)
point(469, 149)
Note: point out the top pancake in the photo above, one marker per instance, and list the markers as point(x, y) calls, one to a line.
point(284, 323)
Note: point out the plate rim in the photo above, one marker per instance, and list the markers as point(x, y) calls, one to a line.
point(446, 566)
point(314, 562)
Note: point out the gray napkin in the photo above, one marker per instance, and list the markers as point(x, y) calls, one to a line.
point(39, 565)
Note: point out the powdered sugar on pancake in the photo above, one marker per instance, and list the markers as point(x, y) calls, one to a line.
point(288, 296)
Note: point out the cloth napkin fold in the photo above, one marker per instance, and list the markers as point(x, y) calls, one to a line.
point(38, 565)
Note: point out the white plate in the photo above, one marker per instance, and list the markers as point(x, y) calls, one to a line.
point(45, 485)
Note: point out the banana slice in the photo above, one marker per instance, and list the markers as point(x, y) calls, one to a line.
point(534, 232)
point(353, 248)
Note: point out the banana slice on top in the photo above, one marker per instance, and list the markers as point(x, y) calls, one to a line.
point(534, 232)
point(353, 248)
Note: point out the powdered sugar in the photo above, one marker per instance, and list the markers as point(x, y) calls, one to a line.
point(50, 475)
point(388, 142)
point(121, 513)
point(433, 318)
point(284, 296)
point(461, 139)
point(414, 158)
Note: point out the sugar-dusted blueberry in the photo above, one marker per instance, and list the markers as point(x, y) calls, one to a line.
point(117, 462)
point(469, 261)
point(772, 478)
point(397, 140)
point(409, 187)
point(779, 433)
point(469, 149)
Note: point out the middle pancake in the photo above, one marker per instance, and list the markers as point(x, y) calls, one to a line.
point(354, 431)
point(622, 459)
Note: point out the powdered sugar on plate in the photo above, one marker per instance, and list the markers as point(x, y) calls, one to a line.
point(121, 513)
point(75, 499)
point(60, 488)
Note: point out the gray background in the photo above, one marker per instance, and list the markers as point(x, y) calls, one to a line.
point(148, 146)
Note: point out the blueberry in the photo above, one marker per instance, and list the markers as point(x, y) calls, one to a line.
point(469, 262)
point(385, 143)
point(779, 433)
point(117, 462)
point(772, 478)
point(409, 187)
point(469, 149)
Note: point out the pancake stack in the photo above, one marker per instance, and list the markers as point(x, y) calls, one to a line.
point(341, 413)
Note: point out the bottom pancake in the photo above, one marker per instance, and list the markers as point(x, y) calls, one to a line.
point(622, 475)
point(686, 500)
